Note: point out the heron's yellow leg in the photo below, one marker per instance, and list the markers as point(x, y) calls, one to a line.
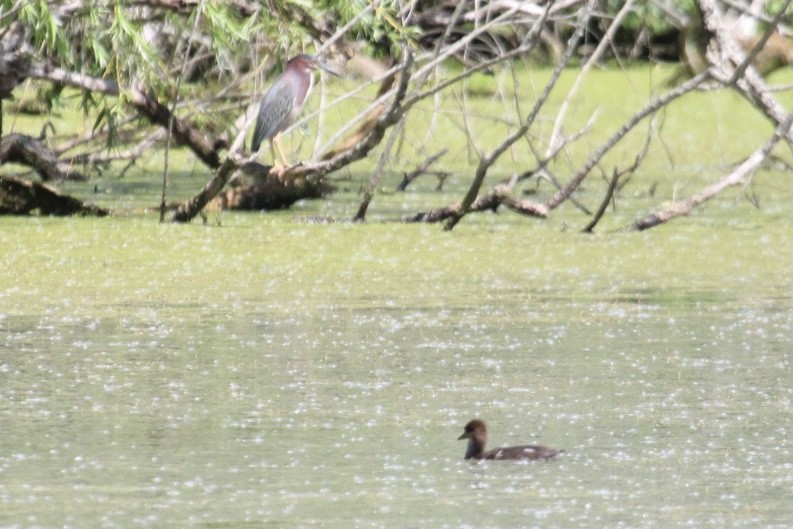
point(276, 142)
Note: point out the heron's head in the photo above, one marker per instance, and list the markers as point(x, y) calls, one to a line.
point(306, 62)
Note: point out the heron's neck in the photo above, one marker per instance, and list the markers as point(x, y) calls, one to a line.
point(304, 90)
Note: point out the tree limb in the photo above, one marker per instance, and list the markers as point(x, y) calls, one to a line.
point(20, 197)
point(486, 161)
point(616, 175)
point(692, 84)
point(684, 207)
point(204, 147)
point(420, 170)
point(731, 67)
point(21, 149)
point(188, 210)
point(490, 201)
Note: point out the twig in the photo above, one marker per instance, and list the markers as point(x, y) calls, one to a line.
point(378, 172)
point(339, 33)
point(605, 42)
point(131, 153)
point(421, 169)
point(616, 175)
point(542, 167)
point(604, 204)
point(396, 130)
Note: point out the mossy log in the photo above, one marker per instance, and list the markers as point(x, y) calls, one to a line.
point(22, 197)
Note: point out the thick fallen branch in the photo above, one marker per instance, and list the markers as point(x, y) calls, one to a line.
point(21, 197)
point(24, 150)
point(262, 190)
point(500, 195)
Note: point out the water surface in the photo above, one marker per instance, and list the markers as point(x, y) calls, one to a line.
point(271, 373)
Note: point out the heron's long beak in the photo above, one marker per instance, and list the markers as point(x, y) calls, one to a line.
point(322, 66)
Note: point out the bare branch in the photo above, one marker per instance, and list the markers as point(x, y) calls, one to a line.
point(684, 207)
point(486, 161)
point(601, 48)
point(498, 196)
point(202, 145)
point(731, 67)
point(690, 85)
point(616, 175)
point(18, 148)
point(420, 170)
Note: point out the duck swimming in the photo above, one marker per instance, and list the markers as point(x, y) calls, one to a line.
point(476, 433)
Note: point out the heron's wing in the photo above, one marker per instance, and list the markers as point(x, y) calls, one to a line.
point(273, 116)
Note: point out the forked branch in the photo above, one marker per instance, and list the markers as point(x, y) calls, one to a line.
point(737, 177)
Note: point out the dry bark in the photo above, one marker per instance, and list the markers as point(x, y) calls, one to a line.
point(262, 190)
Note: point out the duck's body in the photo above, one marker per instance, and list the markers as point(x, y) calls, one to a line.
point(476, 433)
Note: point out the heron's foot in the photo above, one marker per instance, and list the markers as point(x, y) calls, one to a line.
point(278, 170)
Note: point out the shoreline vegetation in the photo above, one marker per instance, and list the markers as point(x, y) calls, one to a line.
point(485, 102)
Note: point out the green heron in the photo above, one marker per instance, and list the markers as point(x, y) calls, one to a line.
point(283, 101)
